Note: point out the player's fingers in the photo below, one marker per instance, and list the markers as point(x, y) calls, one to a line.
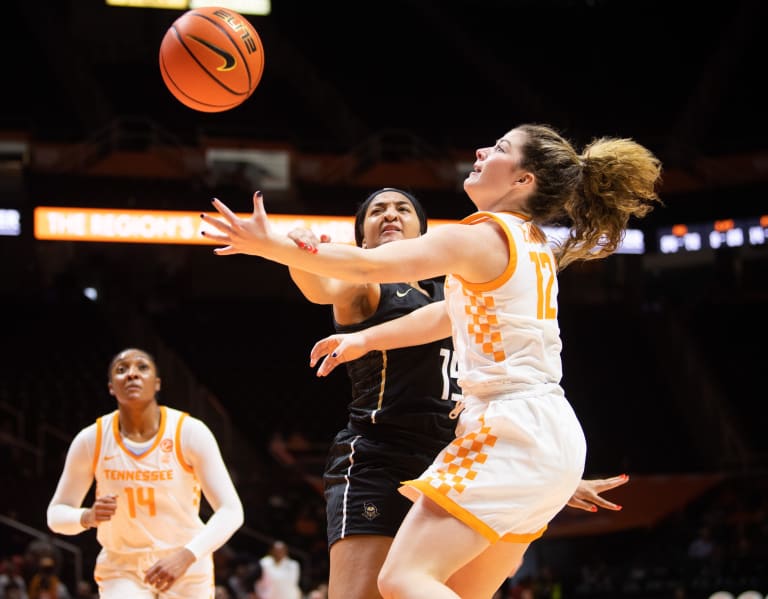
point(605, 504)
point(300, 237)
point(327, 365)
point(332, 360)
point(217, 223)
point(304, 239)
point(581, 504)
point(258, 204)
point(158, 577)
point(619, 480)
point(598, 500)
point(104, 512)
point(611, 483)
point(219, 237)
point(222, 208)
point(320, 349)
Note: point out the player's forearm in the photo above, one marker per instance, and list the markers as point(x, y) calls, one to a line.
point(65, 519)
point(427, 324)
point(218, 530)
point(336, 260)
point(65, 509)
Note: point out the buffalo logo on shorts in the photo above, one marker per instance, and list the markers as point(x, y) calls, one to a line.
point(370, 511)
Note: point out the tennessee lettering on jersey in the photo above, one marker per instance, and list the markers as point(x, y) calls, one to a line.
point(139, 475)
point(156, 482)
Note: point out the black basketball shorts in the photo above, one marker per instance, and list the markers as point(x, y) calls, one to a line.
point(362, 477)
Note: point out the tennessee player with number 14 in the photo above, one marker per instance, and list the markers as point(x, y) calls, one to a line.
point(150, 463)
point(519, 451)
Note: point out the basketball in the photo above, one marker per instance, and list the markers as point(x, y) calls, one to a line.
point(211, 59)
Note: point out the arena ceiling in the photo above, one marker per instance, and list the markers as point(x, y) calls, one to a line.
point(429, 76)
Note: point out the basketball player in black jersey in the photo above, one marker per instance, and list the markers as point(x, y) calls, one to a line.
point(404, 404)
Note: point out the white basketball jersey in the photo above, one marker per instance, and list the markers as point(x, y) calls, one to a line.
point(506, 333)
point(158, 494)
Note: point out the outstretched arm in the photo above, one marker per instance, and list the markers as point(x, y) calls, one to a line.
point(587, 496)
point(320, 289)
point(455, 248)
point(424, 325)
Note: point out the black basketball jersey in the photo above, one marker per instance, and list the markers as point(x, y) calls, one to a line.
point(405, 393)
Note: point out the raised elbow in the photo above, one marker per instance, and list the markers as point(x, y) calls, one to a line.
point(240, 516)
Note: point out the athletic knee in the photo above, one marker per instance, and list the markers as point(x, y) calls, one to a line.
point(391, 583)
point(397, 582)
point(389, 588)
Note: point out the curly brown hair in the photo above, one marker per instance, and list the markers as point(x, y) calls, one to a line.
point(594, 193)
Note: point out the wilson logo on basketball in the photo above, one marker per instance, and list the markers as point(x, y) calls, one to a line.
point(166, 445)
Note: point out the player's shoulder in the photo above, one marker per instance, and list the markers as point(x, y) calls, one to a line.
point(86, 438)
point(88, 431)
point(193, 425)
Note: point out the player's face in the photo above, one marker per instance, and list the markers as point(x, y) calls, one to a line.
point(496, 171)
point(389, 217)
point(133, 377)
point(279, 551)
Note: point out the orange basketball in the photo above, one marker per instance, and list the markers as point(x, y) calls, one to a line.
point(211, 59)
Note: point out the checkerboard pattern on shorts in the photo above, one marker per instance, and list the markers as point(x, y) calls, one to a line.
point(460, 459)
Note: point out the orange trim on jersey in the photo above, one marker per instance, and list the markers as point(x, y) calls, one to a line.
point(534, 231)
point(97, 451)
point(479, 217)
point(119, 438)
point(452, 508)
point(519, 215)
point(465, 516)
point(529, 537)
point(179, 452)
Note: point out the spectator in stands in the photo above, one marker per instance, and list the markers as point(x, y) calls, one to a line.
point(280, 574)
point(151, 463)
point(222, 591)
point(14, 590)
point(319, 592)
point(45, 584)
point(11, 579)
point(702, 546)
point(243, 577)
point(84, 590)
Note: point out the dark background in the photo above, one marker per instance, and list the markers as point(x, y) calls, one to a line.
point(437, 78)
point(663, 354)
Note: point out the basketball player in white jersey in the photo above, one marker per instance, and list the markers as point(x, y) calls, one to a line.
point(150, 464)
point(520, 450)
point(403, 409)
